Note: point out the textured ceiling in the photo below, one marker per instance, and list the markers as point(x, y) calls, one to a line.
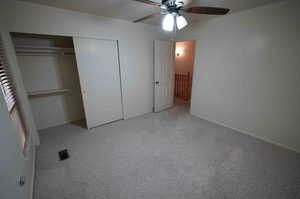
point(130, 10)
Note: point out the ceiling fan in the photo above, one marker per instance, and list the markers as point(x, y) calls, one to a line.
point(173, 9)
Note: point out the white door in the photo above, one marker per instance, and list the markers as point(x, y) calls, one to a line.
point(12, 161)
point(164, 67)
point(99, 74)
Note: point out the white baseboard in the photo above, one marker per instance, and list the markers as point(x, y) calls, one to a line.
point(250, 134)
point(31, 173)
point(59, 124)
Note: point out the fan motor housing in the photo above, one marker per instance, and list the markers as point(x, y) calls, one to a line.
point(172, 5)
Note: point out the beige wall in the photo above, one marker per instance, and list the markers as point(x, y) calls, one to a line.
point(247, 73)
point(185, 61)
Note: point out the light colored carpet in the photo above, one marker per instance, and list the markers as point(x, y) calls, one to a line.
point(167, 155)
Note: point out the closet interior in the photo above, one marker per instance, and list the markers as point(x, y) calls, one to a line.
point(50, 75)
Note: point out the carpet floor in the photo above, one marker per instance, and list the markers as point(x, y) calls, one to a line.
point(166, 155)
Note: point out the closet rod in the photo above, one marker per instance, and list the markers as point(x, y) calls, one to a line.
point(42, 51)
point(44, 48)
point(42, 54)
point(47, 92)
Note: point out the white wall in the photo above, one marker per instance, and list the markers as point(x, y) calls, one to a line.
point(12, 162)
point(135, 45)
point(247, 73)
point(30, 172)
point(11, 158)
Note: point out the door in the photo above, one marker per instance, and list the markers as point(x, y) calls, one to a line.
point(11, 157)
point(99, 74)
point(164, 67)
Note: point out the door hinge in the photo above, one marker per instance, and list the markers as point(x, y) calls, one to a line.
point(22, 181)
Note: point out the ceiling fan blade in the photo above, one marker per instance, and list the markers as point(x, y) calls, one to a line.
point(186, 2)
point(148, 2)
point(206, 10)
point(147, 17)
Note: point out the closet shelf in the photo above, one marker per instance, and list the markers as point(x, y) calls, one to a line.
point(47, 92)
point(35, 50)
point(43, 48)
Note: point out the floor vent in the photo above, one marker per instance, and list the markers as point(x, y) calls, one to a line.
point(63, 154)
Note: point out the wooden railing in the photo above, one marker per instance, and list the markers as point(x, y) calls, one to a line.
point(182, 86)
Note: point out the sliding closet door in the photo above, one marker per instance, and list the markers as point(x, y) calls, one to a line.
point(99, 75)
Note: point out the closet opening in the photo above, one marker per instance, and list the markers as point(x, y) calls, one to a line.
point(184, 67)
point(50, 76)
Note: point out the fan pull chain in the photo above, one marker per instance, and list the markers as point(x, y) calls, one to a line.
point(174, 33)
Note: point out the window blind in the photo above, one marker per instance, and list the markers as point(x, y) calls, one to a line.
point(5, 80)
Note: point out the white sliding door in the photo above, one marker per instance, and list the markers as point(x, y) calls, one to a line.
point(164, 67)
point(99, 74)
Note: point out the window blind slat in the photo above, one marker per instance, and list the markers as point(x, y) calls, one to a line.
point(5, 80)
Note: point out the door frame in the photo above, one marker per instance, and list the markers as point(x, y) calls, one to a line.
point(193, 72)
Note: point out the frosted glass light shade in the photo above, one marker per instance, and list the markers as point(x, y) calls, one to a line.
point(168, 22)
point(181, 22)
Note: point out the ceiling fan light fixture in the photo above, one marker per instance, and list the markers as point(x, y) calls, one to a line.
point(173, 19)
point(181, 22)
point(168, 22)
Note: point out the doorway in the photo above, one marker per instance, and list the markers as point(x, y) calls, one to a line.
point(184, 67)
point(173, 72)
